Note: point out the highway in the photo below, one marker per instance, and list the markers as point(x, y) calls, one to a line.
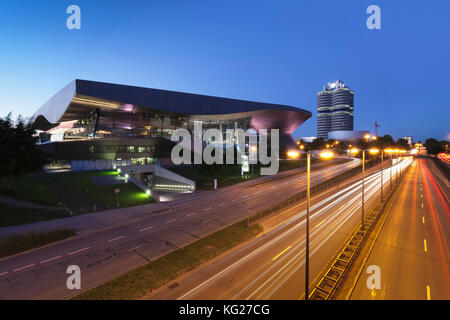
point(272, 265)
point(105, 253)
point(412, 249)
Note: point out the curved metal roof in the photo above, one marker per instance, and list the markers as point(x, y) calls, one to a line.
point(81, 97)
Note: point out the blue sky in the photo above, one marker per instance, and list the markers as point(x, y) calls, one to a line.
point(271, 51)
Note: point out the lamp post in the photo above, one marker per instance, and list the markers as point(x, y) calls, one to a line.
point(362, 189)
point(308, 189)
point(381, 190)
point(396, 152)
point(324, 155)
point(371, 151)
point(390, 174)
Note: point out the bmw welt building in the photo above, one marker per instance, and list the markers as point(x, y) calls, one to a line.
point(95, 126)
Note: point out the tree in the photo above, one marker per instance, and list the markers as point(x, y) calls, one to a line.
point(433, 146)
point(19, 154)
point(403, 144)
point(386, 142)
point(318, 144)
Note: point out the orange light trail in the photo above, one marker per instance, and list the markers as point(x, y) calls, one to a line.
point(443, 249)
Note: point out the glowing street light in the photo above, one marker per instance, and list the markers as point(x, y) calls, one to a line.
point(326, 155)
point(293, 154)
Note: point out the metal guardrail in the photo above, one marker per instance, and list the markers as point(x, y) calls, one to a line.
point(341, 262)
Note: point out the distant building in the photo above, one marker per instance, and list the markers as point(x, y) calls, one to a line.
point(93, 125)
point(347, 135)
point(334, 109)
point(409, 139)
point(307, 139)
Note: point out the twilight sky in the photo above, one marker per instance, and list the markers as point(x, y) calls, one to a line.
point(270, 51)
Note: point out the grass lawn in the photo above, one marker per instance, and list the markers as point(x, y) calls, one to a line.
point(19, 243)
point(11, 216)
point(141, 281)
point(28, 188)
point(77, 190)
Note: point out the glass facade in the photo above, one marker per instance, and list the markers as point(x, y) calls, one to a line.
point(334, 109)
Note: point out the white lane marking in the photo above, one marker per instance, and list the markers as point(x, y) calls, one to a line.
point(170, 221)
point(423, 219)
point(190, 214)
point(51, 259)
point(145, 229)
point(136, 248)
point(115, 239)
point(24, 267)
point(421, 195)
point(207, 220)
point(3, 273)
point(422, 205)
point(425, 244)
point(206, 209)
point(428, 293)
point(78, 251)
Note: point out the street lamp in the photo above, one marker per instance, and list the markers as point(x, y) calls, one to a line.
point(293, 154)
point(371, 151)
point(390, 168)
point(324, 155)
point(396, 169)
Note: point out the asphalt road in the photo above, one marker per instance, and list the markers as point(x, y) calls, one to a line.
point(106, 253)
point(412, 249)
point(272, 265)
